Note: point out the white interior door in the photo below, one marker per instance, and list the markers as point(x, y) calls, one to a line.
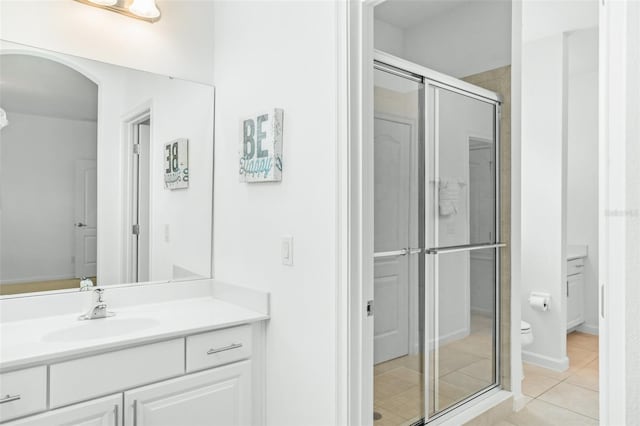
point(86, 223)
point(392, 148)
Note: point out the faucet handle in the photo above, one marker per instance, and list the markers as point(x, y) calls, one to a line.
point(99, 295)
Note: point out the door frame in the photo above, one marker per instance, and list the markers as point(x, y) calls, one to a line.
point(354, 396)
point(618, 81)
point(130, 121)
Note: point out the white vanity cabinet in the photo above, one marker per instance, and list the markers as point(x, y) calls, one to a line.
point(575, 293)
point(200, 379)
point(98, 412)
point(216, 397)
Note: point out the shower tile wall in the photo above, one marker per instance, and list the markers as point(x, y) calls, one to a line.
point(499, 80)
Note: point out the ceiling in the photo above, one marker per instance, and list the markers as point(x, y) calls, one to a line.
point(38, 86)
point(405, 14)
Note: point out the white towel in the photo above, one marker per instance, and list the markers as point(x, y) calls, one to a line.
point(449, 196)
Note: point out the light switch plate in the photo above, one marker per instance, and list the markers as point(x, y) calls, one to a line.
point(287, 250)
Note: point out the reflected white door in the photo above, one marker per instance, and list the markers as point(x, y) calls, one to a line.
point(391, 279)
point(86, 209)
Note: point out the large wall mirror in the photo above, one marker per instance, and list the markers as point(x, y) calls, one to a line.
point(106, 173)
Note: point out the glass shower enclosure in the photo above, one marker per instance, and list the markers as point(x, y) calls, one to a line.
point(436, 242)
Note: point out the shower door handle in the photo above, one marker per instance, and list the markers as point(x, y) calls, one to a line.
point(402, 252)
point(469, 247)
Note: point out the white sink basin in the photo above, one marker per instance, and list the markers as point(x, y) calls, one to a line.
point(99, 329)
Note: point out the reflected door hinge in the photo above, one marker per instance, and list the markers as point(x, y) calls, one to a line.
point(370, 308)
point(135, 229)
point(136, 149)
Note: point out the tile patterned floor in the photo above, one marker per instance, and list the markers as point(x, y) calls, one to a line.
point(553, 398)
point(562, 398)
point(465, 367)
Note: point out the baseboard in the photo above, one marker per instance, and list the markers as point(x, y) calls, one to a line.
point(556, 364)
point(589, 329)
point(519, 402)
point(482, 312)
point(450, 337)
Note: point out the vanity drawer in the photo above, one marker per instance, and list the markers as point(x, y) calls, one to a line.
point(575, 266)
point(23, 392)
point(218, 347)
point(86, 378)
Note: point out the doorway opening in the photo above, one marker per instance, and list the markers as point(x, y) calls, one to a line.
point(138, 238)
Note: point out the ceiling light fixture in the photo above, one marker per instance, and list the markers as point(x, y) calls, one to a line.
point(147, 10)
point(104, 2)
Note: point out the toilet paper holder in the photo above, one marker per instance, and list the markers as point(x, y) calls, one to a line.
point(540, 301)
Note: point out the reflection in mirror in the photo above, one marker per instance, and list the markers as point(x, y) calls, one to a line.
point(106, 174)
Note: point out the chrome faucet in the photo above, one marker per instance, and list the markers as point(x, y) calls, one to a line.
point(99, 307)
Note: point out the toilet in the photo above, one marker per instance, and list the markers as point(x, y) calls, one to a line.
point(526, 336)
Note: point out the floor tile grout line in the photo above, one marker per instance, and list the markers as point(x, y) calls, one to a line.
point(568, 409)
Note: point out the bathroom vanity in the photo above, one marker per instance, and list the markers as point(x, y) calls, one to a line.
point(575, 286)
point(157, 341)
point(192, 353)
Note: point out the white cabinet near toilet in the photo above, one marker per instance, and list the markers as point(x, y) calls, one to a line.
point(575, 293)
point(216, 397)
point(98, 412)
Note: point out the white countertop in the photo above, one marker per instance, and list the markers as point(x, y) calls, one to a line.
point(37, 340)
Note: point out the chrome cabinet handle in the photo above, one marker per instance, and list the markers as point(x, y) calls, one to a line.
point(225, 348)
point(81, 225)
point(9, 398)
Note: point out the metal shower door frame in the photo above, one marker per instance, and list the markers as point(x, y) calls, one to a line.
point(439, 81)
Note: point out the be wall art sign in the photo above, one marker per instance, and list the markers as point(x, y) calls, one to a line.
point(176, 164)
point(261, 147)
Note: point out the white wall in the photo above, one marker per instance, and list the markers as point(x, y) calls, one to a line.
point(388, 38)
point(543, 18)
point(283, 54)
point(582, 160)
point(179, 44)
point(464, 40)
point(543, 168)
point(37, 183)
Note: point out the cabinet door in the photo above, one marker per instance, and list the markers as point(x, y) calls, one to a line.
point(216, 397)
point(105, 411)
point(575, 300)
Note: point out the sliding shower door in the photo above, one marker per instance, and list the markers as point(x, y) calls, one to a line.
point(462, 246)
point(398, 284)
point(436, 245)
